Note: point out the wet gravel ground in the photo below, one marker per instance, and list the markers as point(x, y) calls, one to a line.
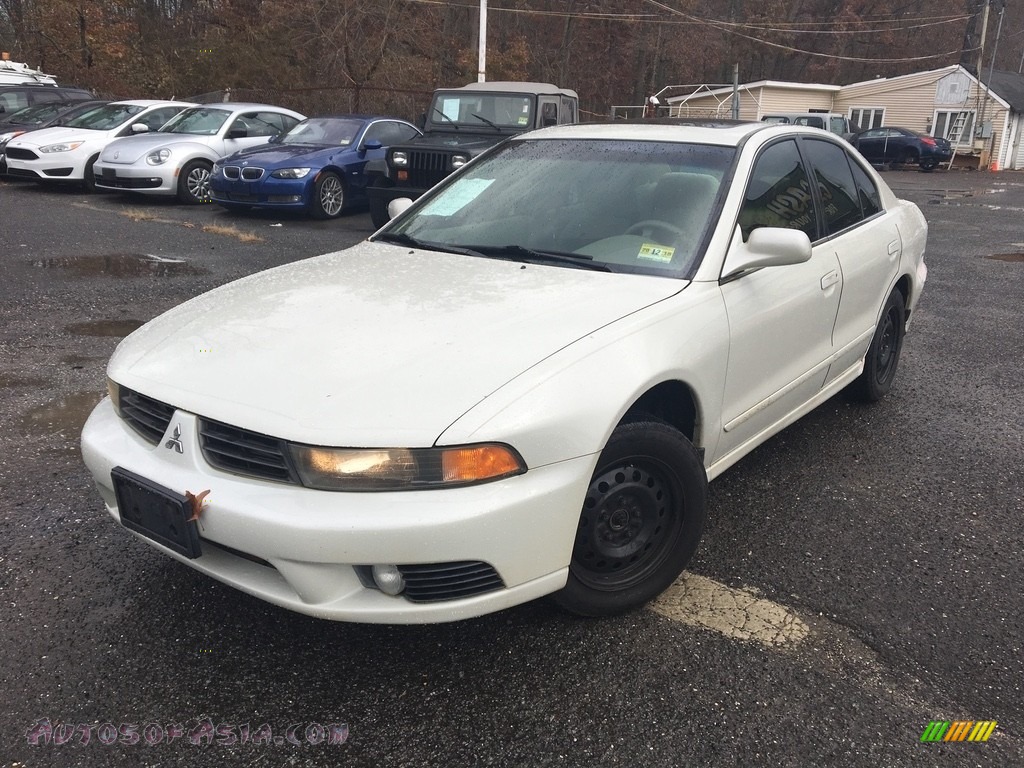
point(893, 532)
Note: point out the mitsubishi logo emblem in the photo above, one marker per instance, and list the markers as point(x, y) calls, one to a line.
point(175, 442)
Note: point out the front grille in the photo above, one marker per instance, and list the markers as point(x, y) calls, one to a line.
point(426, 168)
point(230, 171)
point(145, 415)
point(448, 581)
point(252, 174)
point(21, 154)
point(119, 182)
point(245, 453)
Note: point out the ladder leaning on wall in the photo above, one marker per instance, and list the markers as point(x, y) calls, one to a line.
point(955, 132)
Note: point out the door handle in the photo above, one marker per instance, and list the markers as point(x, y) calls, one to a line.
point(894, 247)
point(827, 281)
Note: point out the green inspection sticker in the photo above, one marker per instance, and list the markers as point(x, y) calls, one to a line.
point(656, 253)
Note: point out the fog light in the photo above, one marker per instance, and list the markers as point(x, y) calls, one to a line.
point(388, 579)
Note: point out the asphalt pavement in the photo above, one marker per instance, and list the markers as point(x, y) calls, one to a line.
point(859, 578)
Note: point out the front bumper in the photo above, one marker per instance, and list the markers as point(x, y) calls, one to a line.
point(148, 179)
point(56, 166)
point(267, 192)
point(298, 548)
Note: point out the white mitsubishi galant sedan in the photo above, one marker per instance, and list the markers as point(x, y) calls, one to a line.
point(521, 385)
point(177, 159)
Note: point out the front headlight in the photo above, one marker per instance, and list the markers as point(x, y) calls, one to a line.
point(399, 159)
point(5, 137)
point(291, 173)
point(404, 469)
point(62, 147)
point(459, 160)
point(159, 157)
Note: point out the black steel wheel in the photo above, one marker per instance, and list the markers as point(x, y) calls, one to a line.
point(929, 164)
point(641, 521)
point(883, 355)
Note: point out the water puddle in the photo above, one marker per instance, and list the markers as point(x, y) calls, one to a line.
point(115, 328)
point(121, 265)
point(65, 414)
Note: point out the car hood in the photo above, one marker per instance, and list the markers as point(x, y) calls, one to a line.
point(375, 346)
point(271, 155)
point(57, 135)
point(132, 148)
point(451, 140)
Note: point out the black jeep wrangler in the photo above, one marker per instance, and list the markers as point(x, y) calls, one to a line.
point(459, 125)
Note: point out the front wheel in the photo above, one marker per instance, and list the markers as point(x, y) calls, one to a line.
point(194, 182)
point(642, 519)
point(378, 210)
point(328, 196)
point(884, 353)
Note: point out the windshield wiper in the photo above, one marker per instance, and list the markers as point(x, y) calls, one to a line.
point(522, 253)
point(483, 119)
point(400, 238)
point(442, 114)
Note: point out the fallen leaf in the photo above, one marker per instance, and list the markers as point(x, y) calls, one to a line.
point(196, 501)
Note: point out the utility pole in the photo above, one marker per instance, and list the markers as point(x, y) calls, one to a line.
point(481, 66)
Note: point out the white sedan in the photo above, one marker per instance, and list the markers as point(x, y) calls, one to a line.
point(69, 152)
point(177, 159)
point(521, 385)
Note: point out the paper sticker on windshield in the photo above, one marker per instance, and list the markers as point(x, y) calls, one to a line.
point(456, 197)
point(524, 120)
point(660, 253)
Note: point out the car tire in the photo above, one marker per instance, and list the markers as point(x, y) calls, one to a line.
point(883, 355)
point(194, 182)
point(909, 158)
point(642, 519)
point(328, 196)
point(378, 211)
point(929, 164)
point(89, 175)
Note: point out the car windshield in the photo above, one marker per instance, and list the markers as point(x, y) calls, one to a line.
point(622, 206)
point(474, 110)
point(198, 121)
point(324, 130)
point(36, 114)
point(106, 118)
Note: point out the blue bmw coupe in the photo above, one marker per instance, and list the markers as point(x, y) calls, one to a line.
point(317, 166)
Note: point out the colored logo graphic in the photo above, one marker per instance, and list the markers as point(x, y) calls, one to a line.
point(959, 730)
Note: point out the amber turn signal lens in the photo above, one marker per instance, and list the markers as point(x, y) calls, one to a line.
point(479, 462)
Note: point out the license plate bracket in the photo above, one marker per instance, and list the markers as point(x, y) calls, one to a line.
point(156, 512)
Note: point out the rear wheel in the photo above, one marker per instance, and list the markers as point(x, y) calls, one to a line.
point(641, 521)
point(929, 164)
point(328, 196)
point(194, 182)
point(884, 353)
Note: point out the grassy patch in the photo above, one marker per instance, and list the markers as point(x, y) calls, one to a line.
point(228, 231)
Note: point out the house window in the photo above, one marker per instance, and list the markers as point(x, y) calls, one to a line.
point(945, 120)
point(862, 118)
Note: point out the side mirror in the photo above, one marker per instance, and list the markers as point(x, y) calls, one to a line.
point(237, 133)
point(398, 206)
point(421, 121)
point(766, 247)
point(275, 139)
point(372, 144)
point(140, 128)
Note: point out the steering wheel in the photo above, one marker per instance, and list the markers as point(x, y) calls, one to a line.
point(653, 227)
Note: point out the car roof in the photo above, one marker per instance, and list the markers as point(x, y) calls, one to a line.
point(242, 106)
point(729, 133)
point(154, 102)
point(357, 117)
point(511, 86)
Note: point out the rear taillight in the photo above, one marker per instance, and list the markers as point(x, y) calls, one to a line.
point(928, 140)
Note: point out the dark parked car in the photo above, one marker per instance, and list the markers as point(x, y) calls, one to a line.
point(32, 118)
point(318, 166)
point(890, 145)
point(15, 97)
